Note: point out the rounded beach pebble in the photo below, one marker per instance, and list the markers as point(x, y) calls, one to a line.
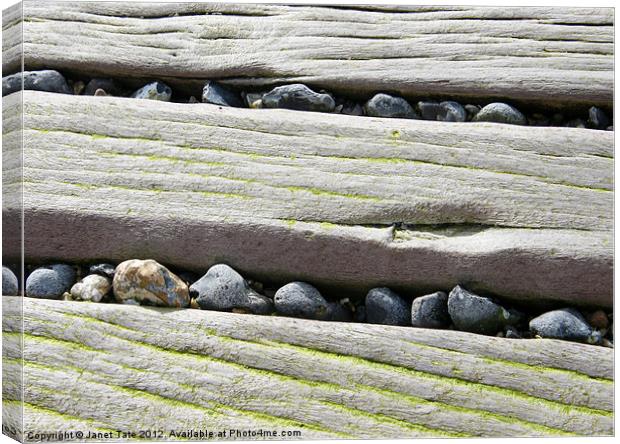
point(430, 311)
point(50, 282)
point(148, 282)
point(301, 300)
point(223, 289)
point(384, 105)
point(478, 314)
point(92, 288)
point(565, 323)
point(383, 306)
point(298, 97)
point(500, 113)
point(46, 80)
point(10, 285)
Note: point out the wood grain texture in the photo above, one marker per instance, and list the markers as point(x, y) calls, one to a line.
point(544, 56)
point(522, 212)
point(178, 369)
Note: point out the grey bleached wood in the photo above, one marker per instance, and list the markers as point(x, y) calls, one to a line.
point(177, 369)
point(524, 212)
point(550, 56)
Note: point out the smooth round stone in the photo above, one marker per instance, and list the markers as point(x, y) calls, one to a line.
point(45, 283)
point(105, 270)
point(430, 311)
point(565, 323)
point(10, 285)
point(46, 80)
point(150, 283)
point(258, 304)
point(384, 105)
point(383, 306)
point(217, 94)
point(154, 91)
point(471, 111)
point(298, 97)
point(451, 112)
point(500, 113)
point(223, 289)
point(301, 300)
point(478, 314)
point(66, 272)
point(428, 110)
point(92, 288)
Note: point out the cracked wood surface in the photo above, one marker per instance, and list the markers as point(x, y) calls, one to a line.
point(544, 56)
point(149, 368)
point(521, 212)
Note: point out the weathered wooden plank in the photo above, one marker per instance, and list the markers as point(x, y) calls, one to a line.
point(550, 56)
point(320, 197)
point(327, 379)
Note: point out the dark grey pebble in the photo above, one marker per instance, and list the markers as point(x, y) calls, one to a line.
point(301, 300)
point(108, 85)
point(597, 119)
point(49, 282)
point(221, 288)
point(218, 94)
point(383, 306)
point(430, 311)
point(105, 270)
point(154, 91)
point(500, 113)
point(428, 110)
point(566, 323)
point(46, 80)
point(66, 272)
point(384, 105)
point(10, 285)
point(472, 111)
point(257, 303)
point(451, 112)
point(478, 314)
point(298, 97)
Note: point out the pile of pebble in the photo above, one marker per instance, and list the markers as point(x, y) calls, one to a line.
point(301, 97)
point(146, 282)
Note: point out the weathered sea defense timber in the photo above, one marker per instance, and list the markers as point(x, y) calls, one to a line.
point(544, 56)
point(339, 201)
point(328, 380)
